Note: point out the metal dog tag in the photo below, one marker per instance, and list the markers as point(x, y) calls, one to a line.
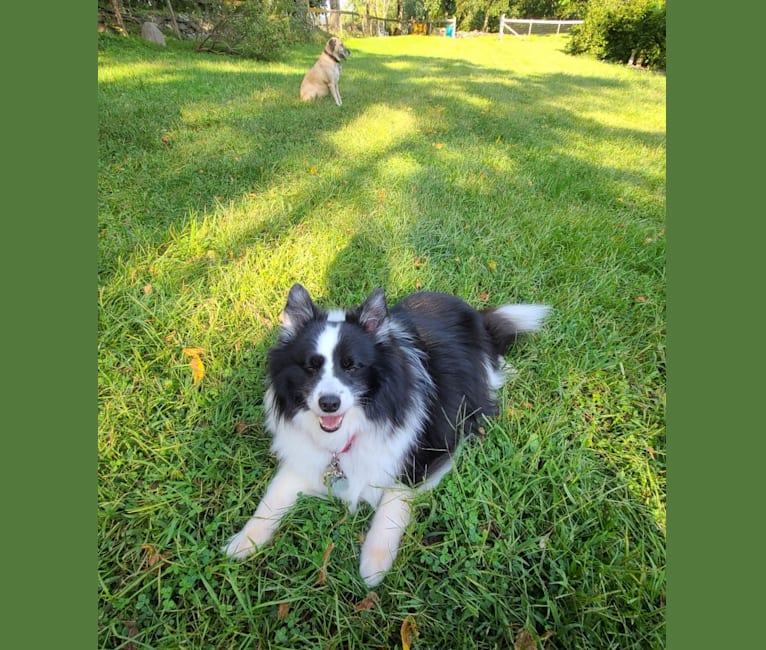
point(333, 473)
point(339, 487)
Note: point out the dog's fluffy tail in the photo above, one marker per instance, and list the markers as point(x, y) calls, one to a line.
point(507, 322)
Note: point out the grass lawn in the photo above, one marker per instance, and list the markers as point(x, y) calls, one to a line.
point(499, 171)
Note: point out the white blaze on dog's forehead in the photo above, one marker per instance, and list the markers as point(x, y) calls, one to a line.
point(326, 343)
point(329, 384)
point(336, 316)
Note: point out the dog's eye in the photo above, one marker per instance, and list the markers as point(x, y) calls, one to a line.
point(314, 363)
point(348, 363)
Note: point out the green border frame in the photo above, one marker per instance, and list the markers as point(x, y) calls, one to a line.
point(715, 384)
point(714, 433)
point(50, 324)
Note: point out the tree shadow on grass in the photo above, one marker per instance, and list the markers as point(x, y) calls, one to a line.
point(245, 132)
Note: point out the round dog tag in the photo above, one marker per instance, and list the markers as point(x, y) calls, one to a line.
point(339, 486)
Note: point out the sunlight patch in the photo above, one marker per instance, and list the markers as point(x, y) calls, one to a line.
point(397, 167)
point(148, 73)
point(399, 65)
point(378, 129)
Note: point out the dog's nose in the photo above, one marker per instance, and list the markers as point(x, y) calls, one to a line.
point(329, 403)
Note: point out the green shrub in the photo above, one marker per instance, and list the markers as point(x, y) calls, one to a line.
point(259, 29)
point(623, 30)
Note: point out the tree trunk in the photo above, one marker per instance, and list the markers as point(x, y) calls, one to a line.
point(485, 26)
point(173, 20)
point(118, 17)
point(335, 17)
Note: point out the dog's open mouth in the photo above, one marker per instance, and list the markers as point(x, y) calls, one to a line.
point(330, 423)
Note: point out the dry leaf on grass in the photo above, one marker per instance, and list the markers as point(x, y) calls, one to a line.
point(153, 556)
point(546, 636)
point(409, 629)
point(322, 579)
point(132, 631)
point(370, 601)
point(198, 368)
point(524, 641)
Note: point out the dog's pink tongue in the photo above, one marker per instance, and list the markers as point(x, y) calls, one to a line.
point(330, 422)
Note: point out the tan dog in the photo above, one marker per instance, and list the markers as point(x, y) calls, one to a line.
point(322, 79)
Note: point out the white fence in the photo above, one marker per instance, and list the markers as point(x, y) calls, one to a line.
point(544, 26)
point(352, 22)
point(337, 22)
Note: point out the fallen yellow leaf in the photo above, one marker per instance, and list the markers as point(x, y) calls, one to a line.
point(198, 368)
point(409, 628)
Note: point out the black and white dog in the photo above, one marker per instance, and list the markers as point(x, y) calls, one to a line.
point(369, 404)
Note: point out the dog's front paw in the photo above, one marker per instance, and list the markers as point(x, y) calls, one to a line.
point(247, 541)
point(374, 563)
point(239, 546)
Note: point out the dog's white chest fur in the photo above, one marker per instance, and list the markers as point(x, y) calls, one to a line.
point(371, 464)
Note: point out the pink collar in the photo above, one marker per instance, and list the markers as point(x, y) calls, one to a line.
point(348, 444)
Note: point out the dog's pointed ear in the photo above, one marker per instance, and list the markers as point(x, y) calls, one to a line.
point(297, 312)
point(373, 311)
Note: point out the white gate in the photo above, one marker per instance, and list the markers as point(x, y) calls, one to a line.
point(505, 25)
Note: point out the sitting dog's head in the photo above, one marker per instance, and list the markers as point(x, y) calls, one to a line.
point(336, 49)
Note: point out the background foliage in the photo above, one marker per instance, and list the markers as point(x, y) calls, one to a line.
point(261, 29)
point(624, 31)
